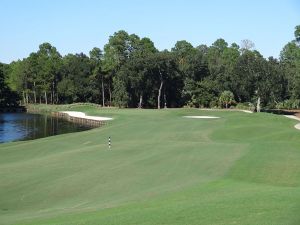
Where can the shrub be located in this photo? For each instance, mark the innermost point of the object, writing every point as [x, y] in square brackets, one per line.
[226, 98]
[289, 104]
[245, 106]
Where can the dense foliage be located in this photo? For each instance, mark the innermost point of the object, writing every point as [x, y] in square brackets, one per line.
[8, 98]
[131, 72]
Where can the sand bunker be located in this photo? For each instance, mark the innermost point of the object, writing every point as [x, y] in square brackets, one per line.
[297, 126]
[246, 111]
[226, 110]
[201, 117]
[83, 116]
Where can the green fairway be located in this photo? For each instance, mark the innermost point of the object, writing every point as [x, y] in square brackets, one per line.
[162, 169]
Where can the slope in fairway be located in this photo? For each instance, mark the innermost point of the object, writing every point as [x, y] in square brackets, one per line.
[162, 169]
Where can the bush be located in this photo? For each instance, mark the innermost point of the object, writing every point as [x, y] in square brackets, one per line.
[226, 99]
[214, 104]
[289, 104]
[245, 106]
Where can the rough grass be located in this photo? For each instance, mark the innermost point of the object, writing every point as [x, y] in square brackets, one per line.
[162, 169]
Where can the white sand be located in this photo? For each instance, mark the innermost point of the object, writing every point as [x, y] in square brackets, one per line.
[297, 126]
[201, 117]
[228, 110]
[83, 116]
[246, 111]
[292, 117]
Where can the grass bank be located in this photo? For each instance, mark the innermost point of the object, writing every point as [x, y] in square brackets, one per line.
[162, 169]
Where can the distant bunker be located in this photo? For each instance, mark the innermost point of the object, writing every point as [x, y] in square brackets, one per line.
[201, 117]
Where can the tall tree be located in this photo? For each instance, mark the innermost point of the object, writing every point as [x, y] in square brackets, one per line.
[75, 83]
[164, 68]
[32, 68]
[245, 74]
[136, 74]
[49, 61]
[17, 79]
[96, 57]
[214, 57]
[8, 98]
[290, 59]
[116, 52]
[247, 45]
[141, 68]
[297, 33]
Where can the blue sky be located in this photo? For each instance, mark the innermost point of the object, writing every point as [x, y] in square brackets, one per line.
[74, 26]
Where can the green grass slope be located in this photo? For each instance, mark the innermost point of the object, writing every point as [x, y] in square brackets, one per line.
[162, 169]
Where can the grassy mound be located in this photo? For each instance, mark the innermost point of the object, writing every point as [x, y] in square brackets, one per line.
[162, 169]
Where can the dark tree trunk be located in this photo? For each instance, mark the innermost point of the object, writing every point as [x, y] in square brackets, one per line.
[258, 105]
[34, 92]
[159, 93]
[53, 93]
[109, 90]
[141, 101]
[45, 95]
[103, 97]
[27, 98]
[24, 99]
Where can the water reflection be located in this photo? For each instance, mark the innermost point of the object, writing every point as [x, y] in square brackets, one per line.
[25, 126]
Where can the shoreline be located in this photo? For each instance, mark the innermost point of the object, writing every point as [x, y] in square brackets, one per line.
[82, 118]
[16, 109]
[82, 115]
[297, 126]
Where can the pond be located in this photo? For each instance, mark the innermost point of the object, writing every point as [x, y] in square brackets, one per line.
[26, 126]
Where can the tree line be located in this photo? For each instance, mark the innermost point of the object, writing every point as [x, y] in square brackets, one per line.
[131, 72]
